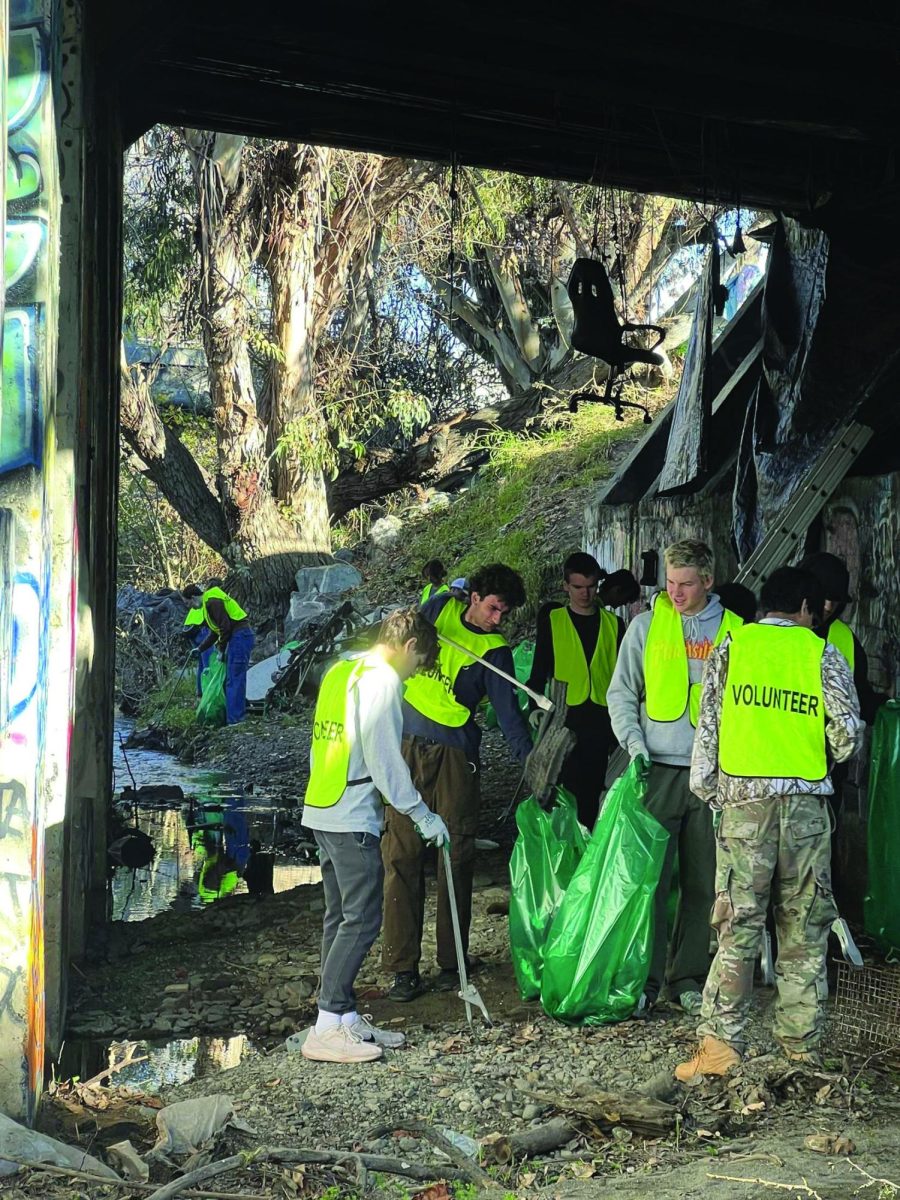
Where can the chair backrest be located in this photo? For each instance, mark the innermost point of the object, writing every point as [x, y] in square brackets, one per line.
[597, 330]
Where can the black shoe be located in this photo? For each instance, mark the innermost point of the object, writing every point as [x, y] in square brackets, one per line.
[447, 978]
[407, 986]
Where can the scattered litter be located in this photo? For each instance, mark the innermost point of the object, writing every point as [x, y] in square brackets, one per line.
[461, 1141]
[185, 1127]
[829, 1143]
[129, 1163]
[19, 1142]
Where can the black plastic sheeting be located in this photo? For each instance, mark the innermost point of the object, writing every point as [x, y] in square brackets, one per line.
[797, 406]
[686, 453]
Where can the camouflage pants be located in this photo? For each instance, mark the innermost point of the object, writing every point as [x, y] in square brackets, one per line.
[779, 846]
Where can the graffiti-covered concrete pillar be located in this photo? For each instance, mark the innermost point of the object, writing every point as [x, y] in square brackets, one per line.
[55, 488]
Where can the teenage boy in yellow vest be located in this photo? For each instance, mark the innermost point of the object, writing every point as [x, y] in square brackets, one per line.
[577, 643]
[196, 631]
[440, 743]
[834, 579]
[435, 575]
[357, 770]
[778, 705]
[653, 701]
[230, 631]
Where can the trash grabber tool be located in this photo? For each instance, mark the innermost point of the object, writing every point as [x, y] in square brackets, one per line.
[468, 993]
[540, 701]
[165, 707]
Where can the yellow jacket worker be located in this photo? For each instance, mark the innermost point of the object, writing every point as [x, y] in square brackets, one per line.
[778, 707]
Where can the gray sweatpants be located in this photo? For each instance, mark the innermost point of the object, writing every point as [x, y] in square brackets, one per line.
[353, 879]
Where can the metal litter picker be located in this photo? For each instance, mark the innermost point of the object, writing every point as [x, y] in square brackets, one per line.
[468, 992]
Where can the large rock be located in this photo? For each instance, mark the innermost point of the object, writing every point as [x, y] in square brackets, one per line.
[302, 615]
[330, 580]
[384, 535]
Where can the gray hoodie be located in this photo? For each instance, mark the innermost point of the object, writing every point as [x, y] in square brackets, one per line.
[662, 741]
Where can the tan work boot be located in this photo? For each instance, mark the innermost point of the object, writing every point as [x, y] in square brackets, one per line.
[338, 1044]
[713, 1058]
[809, 1058]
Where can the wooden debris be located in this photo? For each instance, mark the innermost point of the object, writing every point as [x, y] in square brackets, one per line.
[278, 1154]
[642, 1114]
[502, 1149]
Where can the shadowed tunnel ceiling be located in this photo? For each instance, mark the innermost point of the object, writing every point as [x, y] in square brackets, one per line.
[771, 104]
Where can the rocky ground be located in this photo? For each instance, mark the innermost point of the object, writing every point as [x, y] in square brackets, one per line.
[249, 966]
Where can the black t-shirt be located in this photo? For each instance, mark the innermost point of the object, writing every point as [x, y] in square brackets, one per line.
[588, 714]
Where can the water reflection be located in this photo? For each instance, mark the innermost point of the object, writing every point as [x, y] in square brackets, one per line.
[153, 1066]
[214, 844]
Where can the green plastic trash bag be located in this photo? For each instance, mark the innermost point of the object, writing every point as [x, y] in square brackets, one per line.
[597, 953]
[549, 847]
[211, 708]
[523, 660]
[881, 907]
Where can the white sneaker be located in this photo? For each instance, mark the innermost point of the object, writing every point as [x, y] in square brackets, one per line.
[363, 1028]
[338, 1044]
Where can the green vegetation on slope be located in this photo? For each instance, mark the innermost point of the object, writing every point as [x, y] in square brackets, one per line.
[524, 508]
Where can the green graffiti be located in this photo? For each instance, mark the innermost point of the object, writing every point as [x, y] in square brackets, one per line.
[23, 174]
[26, 77]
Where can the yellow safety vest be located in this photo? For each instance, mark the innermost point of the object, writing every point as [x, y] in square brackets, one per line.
[227, 884]
[840, 635]
[194, 617]
[667, 677]
[429, 591]
[232, 608]
[773, 712]
[431, 693]
[570, 664]
[330, 741]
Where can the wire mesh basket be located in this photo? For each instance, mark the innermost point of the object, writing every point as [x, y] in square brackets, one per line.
[866, 1012]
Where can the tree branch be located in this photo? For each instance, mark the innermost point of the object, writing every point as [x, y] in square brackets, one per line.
[372, 1162]
[505, 274]
[502, 347]
[168, 463]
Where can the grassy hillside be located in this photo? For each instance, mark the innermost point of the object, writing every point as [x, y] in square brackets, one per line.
[524, 508]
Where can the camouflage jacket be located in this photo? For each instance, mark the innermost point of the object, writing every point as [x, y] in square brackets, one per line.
[843, 733]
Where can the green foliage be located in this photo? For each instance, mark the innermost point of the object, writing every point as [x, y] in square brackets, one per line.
[182, 694]
[516, 509]
[160, 252]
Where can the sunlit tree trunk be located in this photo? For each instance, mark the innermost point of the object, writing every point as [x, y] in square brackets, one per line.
[266, 548]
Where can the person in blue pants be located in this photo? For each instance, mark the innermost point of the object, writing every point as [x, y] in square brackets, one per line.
[229, 630]
[237, 660]
[196, 631]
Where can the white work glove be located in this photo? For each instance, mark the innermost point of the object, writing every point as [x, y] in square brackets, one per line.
[432, 829]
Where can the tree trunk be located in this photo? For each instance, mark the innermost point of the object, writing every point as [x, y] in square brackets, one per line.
[170, 464]
[265, 549]
[443, 456]
[297, 433]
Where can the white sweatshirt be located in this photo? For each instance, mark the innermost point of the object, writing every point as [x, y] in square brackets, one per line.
[374, 734]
